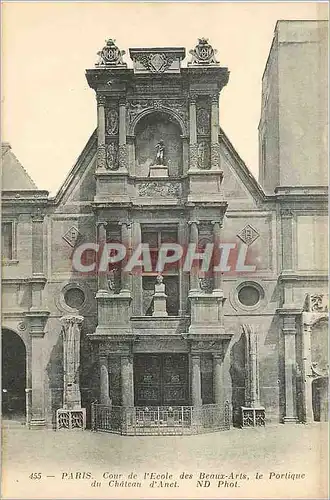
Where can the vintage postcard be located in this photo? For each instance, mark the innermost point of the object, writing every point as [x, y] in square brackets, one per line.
[164, 229]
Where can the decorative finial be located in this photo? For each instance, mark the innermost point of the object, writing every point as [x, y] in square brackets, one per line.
[110, 55]
[203, 53]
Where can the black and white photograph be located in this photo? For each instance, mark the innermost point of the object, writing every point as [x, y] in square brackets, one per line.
[164, 250]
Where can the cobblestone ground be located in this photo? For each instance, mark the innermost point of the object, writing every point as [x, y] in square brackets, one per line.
[237, 454]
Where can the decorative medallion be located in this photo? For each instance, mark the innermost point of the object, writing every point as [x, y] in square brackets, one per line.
[110, 55]
[21, 326]
[203, 53]
[72, 236]
[112, 121]
[248, 234]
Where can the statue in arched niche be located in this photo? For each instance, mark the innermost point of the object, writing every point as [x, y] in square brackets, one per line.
[160, 153]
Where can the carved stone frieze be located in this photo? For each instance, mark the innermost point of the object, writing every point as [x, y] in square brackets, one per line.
[136, 107]
[168, 189]
[206, 345]
[155, 62]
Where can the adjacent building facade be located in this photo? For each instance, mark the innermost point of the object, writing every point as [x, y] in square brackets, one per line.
[176, 348]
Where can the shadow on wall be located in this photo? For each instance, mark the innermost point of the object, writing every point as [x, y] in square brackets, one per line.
[237, 373]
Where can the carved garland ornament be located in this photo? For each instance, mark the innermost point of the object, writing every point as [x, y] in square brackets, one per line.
[112, 156]
[112, 121]
[159, 188]
[101, 156]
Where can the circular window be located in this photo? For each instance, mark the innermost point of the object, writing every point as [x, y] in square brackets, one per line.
[249, 296]
[74, 298]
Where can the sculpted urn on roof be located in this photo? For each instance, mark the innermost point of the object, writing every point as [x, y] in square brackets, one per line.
[203, 53]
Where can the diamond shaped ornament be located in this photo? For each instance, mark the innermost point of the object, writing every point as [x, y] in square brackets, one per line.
[72, 236]
[248, 234]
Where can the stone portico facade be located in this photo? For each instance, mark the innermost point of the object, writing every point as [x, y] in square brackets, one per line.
[159, 169]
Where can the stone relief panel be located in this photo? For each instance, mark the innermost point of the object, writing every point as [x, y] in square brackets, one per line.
[157, 188]
[112, 121]
[149, 131]
[203, 119]
[112, 156]
[203, 155]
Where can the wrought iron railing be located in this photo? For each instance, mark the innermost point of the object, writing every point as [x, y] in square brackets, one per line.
[160, 420]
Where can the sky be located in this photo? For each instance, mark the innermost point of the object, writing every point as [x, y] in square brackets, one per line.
[48, 109]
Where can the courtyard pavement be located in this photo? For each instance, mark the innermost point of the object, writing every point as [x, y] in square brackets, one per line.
[282, 461]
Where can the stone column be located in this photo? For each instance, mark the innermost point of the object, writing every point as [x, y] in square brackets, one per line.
[102, 239]
[127, 383]
[183, 276]
[287, 240]
[289, 332]
[216, 241]
[136, 276]
[307, 371]
[196, 385]
[215, 153]
[122, 152]
[218, 378]
[71, 361]
[104, 382]
[101, 156]
[126, 241]
[193, 238]
[37, 369]
[193, 134]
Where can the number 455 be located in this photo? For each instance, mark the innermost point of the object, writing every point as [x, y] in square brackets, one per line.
[35, 475]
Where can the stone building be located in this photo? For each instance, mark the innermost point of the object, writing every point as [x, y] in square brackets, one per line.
[176, 351]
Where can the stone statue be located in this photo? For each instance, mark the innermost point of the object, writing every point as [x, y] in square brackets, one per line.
[159, 279]
[160, 153]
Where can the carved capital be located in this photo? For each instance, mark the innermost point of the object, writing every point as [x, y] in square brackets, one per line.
[100, 99]
[289, 325]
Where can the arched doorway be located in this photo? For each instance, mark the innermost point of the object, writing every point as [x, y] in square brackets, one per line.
[13, 376]
[320, 399]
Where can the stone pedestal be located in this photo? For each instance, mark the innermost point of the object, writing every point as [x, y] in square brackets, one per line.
[206, 313]
[160, 300]
[114, 312]
[158, 171]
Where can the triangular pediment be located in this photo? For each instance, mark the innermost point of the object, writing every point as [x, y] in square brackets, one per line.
[14, 175]
[239, 186]
[79, 186]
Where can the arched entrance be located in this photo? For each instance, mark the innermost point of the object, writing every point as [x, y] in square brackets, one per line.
[320, 399]
[13, 376]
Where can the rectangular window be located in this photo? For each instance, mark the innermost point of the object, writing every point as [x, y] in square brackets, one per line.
[7, 240]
